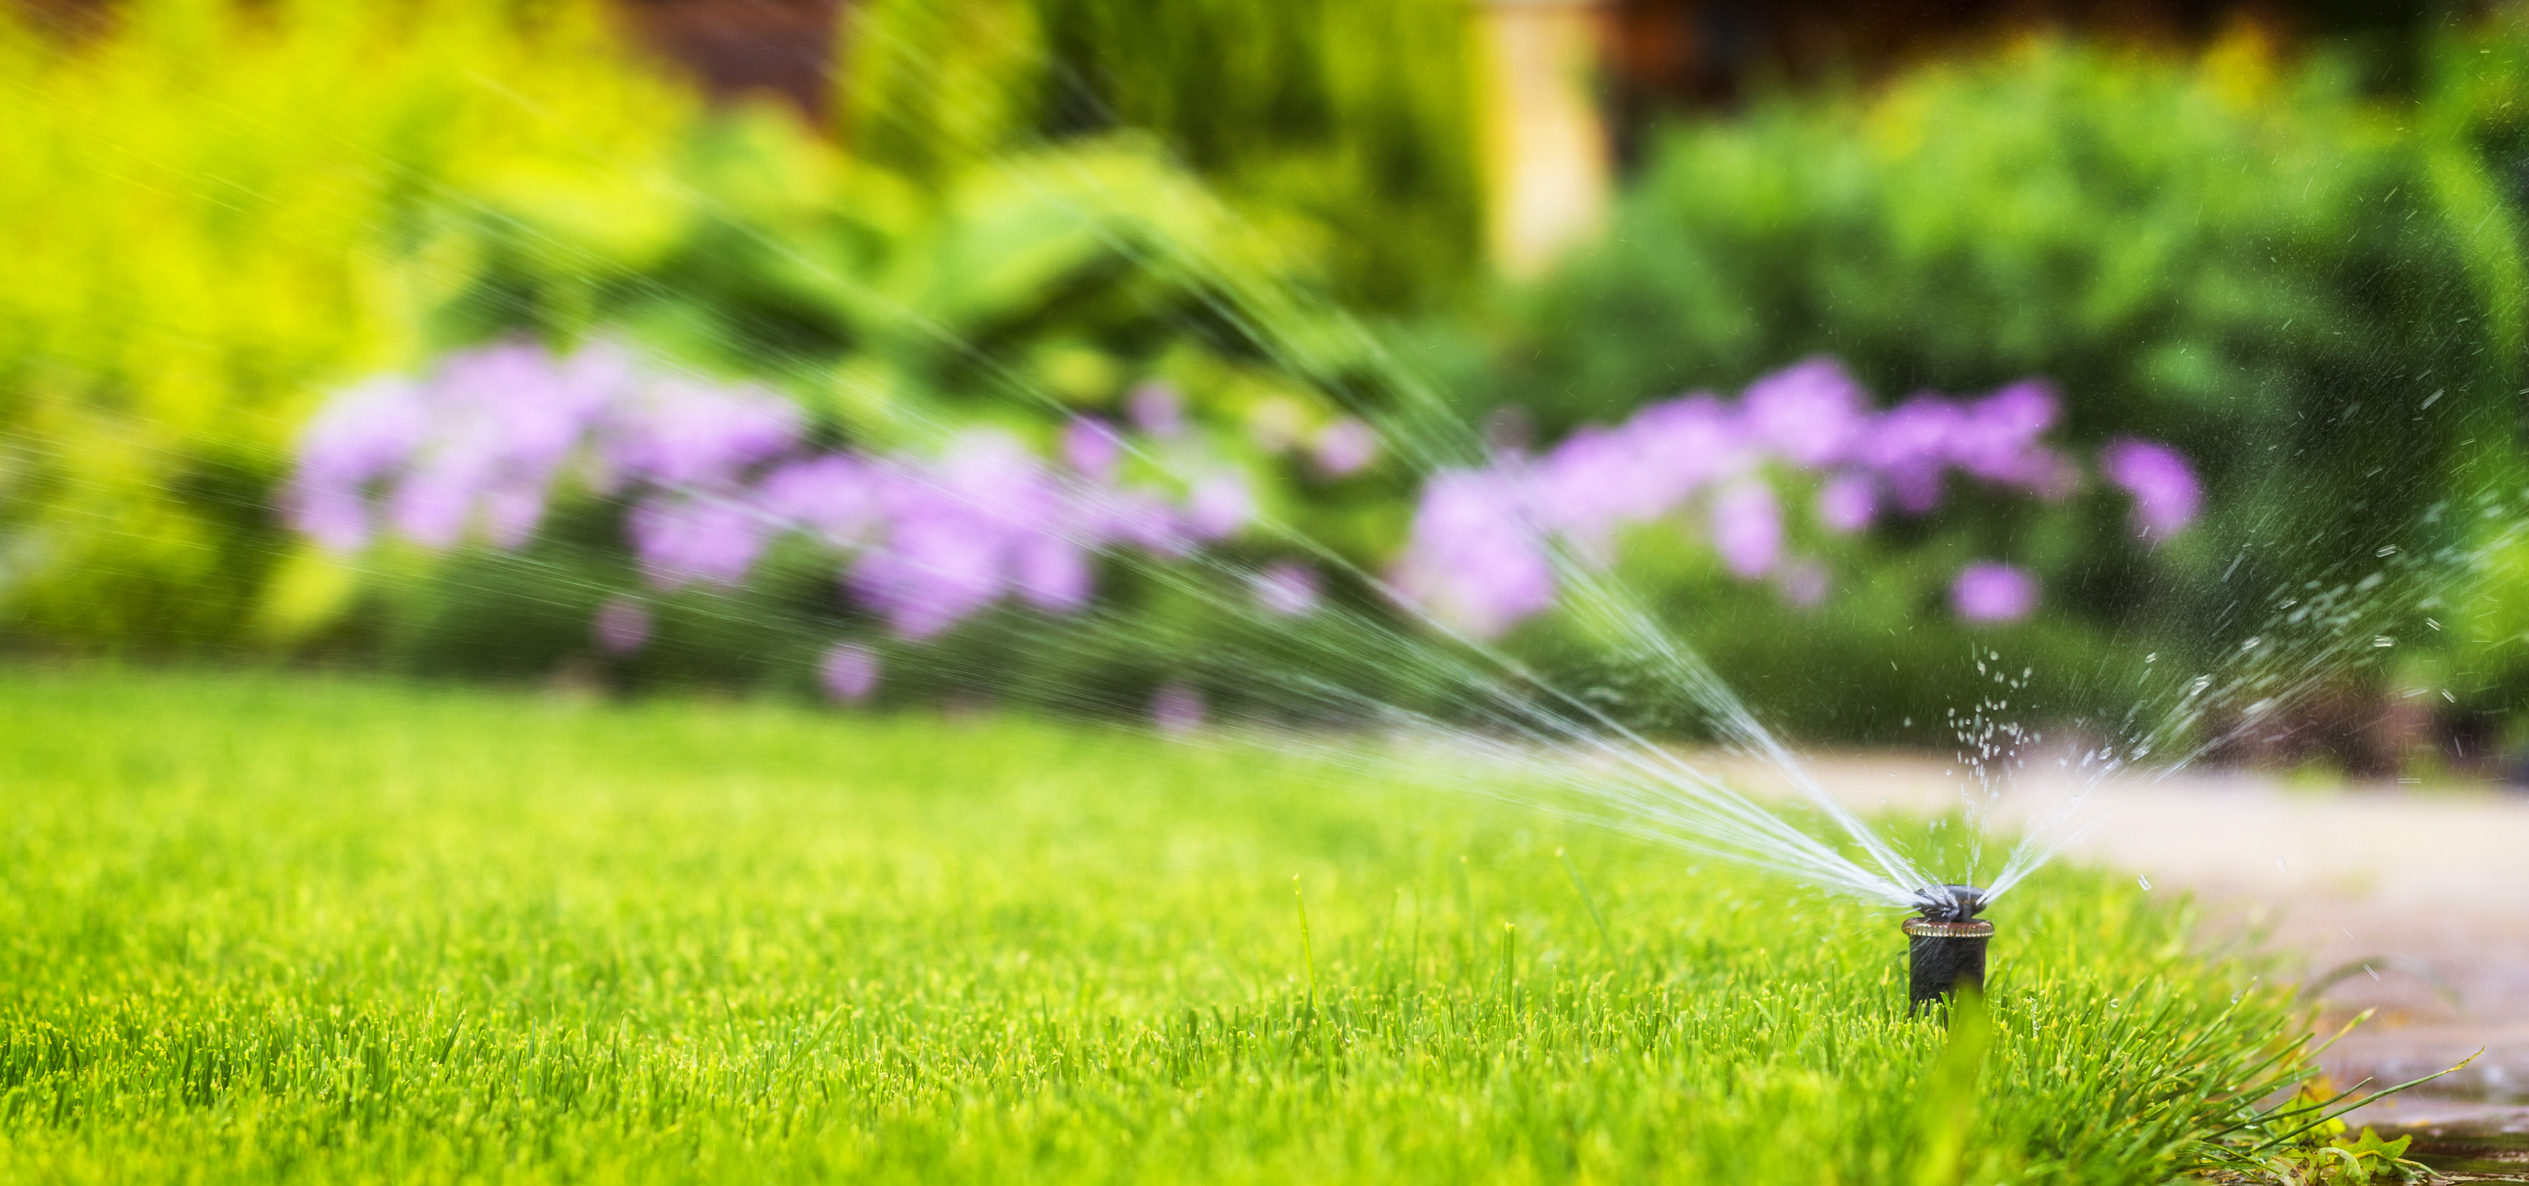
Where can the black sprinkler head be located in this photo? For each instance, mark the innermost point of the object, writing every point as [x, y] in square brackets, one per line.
[1946, 945]
[1950, 903]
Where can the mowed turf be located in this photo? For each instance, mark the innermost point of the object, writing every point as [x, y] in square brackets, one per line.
[285, 928]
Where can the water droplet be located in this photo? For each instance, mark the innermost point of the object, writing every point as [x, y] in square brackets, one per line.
[2383, 640]
[2153, 657]
[2388, 550]
[2144, 882]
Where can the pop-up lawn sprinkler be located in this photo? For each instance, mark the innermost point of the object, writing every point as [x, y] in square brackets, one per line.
[1945, 945]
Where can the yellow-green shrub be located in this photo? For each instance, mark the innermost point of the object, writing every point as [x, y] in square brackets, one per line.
[217, 211]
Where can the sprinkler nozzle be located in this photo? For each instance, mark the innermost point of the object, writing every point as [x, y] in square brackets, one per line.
[1950, 903]
[1946, 944]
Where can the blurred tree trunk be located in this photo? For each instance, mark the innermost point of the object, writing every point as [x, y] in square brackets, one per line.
[1546, 144]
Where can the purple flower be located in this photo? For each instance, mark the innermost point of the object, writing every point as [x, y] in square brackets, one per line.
[683, 434]
[366, 432]
[1218, 505]
[1137, 517]
[849, 672]
[684, 540]
[1092, 448]
[1156, 409]
[362, 436]
[716, 473]
[1600, 479]
[507, 417]
[833, 496]
[1848, 502]
[622, 626]
[1052, 574]
[934, 571]
[432, 506]
[952, 533]
[1587, 486]
[1809, 414]
[993, 479]
[522, 408]
[1990, 592]
[1996, 438]
[1287, 589]
[511, 510]
[1747, 528]
[1679, 446]
[1911, 446]
[1346, 447]
[1472, 559]
[2166, 494]
[479, 444]
[1177, 708]
[336, 519]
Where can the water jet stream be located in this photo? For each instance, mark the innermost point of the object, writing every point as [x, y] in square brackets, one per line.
[1466, 714]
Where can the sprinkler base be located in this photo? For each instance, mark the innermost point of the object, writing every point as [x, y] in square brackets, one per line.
[1940, 953]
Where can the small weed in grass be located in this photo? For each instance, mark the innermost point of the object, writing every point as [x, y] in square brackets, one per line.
[265, 929]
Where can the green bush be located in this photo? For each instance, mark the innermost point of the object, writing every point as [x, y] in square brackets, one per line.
[2316, 295]
[1015, 292]
[219, 215]
[1347, 123]
[219, 211]
[2478, 114]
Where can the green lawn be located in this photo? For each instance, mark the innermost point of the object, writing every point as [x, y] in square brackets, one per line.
[259, 928]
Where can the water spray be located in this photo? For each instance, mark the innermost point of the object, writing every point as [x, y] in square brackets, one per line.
[1945, 944]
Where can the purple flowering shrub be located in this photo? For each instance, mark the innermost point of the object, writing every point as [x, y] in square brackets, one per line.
[716, 488]
[713, 476]
[1488, 546]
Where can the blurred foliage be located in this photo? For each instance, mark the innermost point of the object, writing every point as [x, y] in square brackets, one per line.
[1883, 659]
[216, 212]
[1348, 123]
[2477, 112]
[219, 212]
[1020, 292]
[2318, 297]
[1025, 289]
[952, 271]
